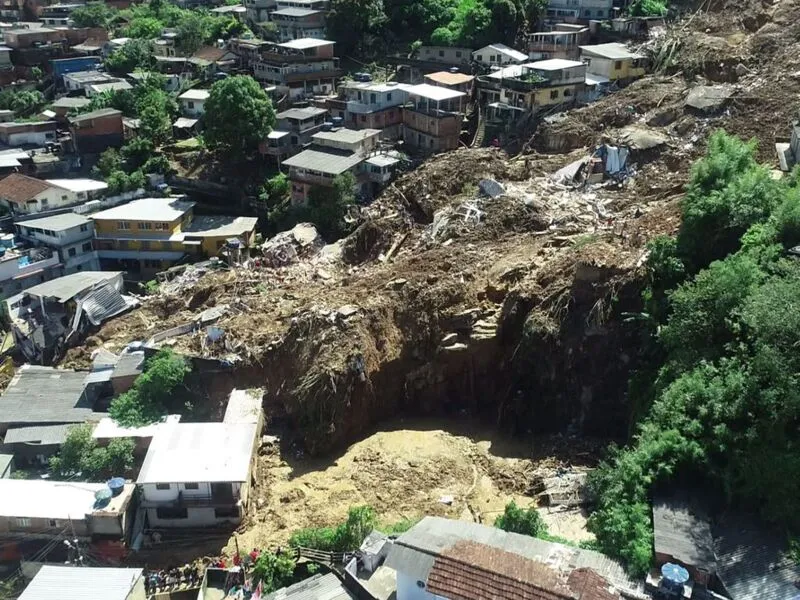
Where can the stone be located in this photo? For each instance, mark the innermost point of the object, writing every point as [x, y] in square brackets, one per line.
[708, 98]
[491, 188]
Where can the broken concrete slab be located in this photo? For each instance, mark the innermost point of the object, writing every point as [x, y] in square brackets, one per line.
[491, 188]
[641, 138]
[708, 98]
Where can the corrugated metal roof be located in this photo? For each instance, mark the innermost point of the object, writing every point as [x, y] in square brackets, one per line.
[332, 163]
[46, 435]
[611, 51]
[57, 222]
[244, 406]
[45, 395]
[318, 587]
[67, 287]
[752, 562]
[415, 551]
[203, 452]
[682, 532]
[102, 303]
[81, 583]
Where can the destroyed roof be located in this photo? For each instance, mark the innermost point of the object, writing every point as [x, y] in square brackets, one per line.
[753, 562]
[71, 102]
[306, 43]
[65, 288]
[81, 583]
[199, 452]
[347, 136]
[301, 113]
[244, 406]
[448, 78]
[131, 363]
[220, 226]
[682, 532]
[611, 51]
[211, 53]
[333, 163]
[318, 587]
[415, 552]
[434, 92]
[506, 51]
[45, 395]
[96, 114]
[18, 188]
[45, 435]
[147, 209]
[104, 302]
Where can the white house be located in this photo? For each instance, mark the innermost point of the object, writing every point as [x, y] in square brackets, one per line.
[85, 583]
[497, 55]
[69, 234]
[27, 195]
[193, 102]
[198, 474]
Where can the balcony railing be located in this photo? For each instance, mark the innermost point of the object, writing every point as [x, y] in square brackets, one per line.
[184, 501]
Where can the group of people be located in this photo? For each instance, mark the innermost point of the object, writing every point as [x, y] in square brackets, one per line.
[167, 579]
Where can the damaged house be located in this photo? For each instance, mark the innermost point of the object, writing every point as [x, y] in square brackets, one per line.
[49, 317]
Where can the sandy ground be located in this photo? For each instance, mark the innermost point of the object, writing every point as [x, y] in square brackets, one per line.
[405, 471]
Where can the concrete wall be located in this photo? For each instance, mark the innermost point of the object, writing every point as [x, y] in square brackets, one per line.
[408, 589]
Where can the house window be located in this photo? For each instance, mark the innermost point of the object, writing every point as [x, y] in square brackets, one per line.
[189, 485]
[492, 58]
[441, 53]
[363, 118]
[44, 201]
[599, 13]
[123, 225]
[162, 226]
[553, 94]
[458, 53]
[145, 225]
[72, 252]
[87, 247]
[389, 97]
[587, 13]
[567, 92]
[84, 227]
[23, 522]
[64, 197]
[53, 523]
[163, 486]
[172, 513]
[373, 98]
[226, 513]
[191, 105]
[617, 65]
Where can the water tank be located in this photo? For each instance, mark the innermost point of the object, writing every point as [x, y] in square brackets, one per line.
[102, 497]
[7, 240]
[674, 577]
[116, 485]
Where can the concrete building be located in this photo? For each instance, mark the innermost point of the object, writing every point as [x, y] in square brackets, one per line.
[318, 168]
[198, 474]
[613, 62]
[579, 11]
[535, 85]
[371, 106]
[95, 131]
[24, 195]
[79, 81]
[68, 234]
[21, 269]
[300, 68]
[85, 583]
[432, 118]
[459, 82]
[257, 11]
[293, 130]
[445, 55]
[297, 23]
[562, 42]
[193, 102]
[498, 55]
[35, 133]
[682, 535]
[65, 66]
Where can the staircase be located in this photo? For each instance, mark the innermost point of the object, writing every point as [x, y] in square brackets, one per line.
[480, 132]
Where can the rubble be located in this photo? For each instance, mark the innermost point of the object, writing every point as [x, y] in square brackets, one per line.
[708, 99]
[287, 247]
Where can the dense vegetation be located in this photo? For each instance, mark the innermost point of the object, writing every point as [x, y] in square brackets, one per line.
[80, 454]
[345, 537]
[719, 392]
[154, 392]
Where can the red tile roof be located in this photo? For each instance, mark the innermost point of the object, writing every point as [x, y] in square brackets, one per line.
[210, 53]
[590, 585]
[19, 189]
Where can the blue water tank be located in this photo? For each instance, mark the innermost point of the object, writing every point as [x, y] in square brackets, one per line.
[116, 485]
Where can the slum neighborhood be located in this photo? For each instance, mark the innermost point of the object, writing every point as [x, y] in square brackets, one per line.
[157, 506]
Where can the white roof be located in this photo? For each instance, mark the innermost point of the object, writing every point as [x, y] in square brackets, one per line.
[184, 123]
[503, 49]
[387, 86]
[593, 79]
[434, 92]
[195, 95]
[120, 41]
[44, 499]
[347, 136]
[276, 134]
[199, 452]
[554, 64]
[111, 85]
[107, 428]
[147, 209]
[506, 72]
[244, 406]
[81, 583]
[305, 43]
[382, 160]
[79, 185]
[612, 51]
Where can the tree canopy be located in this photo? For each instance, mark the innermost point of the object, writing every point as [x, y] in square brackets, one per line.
[93, 14]
[136, 54]
[724, 408]
[80, 453]
[238, 116]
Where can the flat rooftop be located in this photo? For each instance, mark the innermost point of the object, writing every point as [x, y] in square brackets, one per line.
[244, 406]
[434, 92]
[199, 452]
[81, 583]
[611, 51]
[220, 226]
[107, 428]
[61, 500]
[301, 113]
[332, 163]
[554, 64]
[348, 136]
[306, 43]
[146, 209]
[60, 222]
[199, 95]
[79, 185]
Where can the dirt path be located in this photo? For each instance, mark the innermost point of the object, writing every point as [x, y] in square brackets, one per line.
[405, 471]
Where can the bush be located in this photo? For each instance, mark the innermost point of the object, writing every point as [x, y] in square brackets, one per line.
[518, 520]
[273, 571]
[347, 537]
[80, 454]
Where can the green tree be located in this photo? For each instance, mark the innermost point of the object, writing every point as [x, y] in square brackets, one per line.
[519, 520]
[137, 54]
[355, 24]
[109, 161]
[238, 115]
[80, 453]
[648, 8]
[193, 31]
[153, 391]
[144, 28]
[328, 206]
[346, 537]
[275, 190]
[273, 571]
[92, 14]
[137, 152]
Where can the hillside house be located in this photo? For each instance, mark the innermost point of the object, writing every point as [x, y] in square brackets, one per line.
[84, 583]
[198, 474]
[441, 559]
[95, 131]
[445, 55]
[562, 42]
[35, 133]
[432, 118]
[293, 130]
[22, 268]
[68, 234]
[498, 55]
[367, 105]
[614, 62]
[210, 60]
[579, 11]
[67, 104]
[459, 82]
[193, 102]
[24, 195]
[300, 68]
[79, 81]
[682, 535]
[297, 23]
[34, 512]
[535, 85]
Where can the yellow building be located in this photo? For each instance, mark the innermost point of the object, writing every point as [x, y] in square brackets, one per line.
[539, 84]
[148, 235]
[613, 62]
